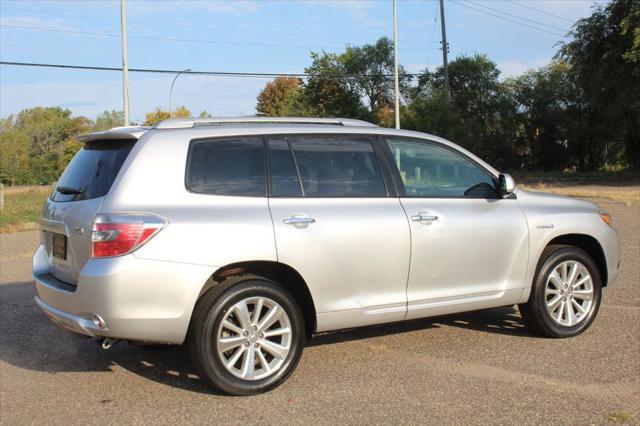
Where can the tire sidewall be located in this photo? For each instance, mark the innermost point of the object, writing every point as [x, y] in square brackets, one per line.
[212, 365]
[557, 257]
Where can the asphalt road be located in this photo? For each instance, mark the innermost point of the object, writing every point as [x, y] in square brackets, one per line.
[481, 367]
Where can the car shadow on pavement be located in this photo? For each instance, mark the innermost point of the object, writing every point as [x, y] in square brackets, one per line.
[30, 341]
[504, 320]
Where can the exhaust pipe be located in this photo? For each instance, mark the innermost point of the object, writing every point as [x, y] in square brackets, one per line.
[107, 343]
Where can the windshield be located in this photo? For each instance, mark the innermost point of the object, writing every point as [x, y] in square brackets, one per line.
[92, 171]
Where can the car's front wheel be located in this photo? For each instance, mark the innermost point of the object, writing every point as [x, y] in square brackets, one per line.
[566, 293]
[246, 335]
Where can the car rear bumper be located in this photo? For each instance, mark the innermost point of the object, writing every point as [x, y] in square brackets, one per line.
[137, 299]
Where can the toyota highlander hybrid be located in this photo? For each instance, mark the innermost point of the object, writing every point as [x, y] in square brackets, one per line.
[243, 237]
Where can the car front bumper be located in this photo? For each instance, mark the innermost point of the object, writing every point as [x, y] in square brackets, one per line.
[137, 299]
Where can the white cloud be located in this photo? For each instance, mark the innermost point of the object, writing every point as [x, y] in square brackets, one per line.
[359, 10]
[418, 68]
[515, 68]
[34, 21]
[239, 7]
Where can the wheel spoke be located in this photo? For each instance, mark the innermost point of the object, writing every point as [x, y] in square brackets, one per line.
[263, 360]
[560, 312]
[248, 363]
[583, 294]
[573, 273]
[256, 311]
[277, 332]
[231, 326]
[242, 311]
[275, 349]
[551, 291]
[553, 303]
[236, 356]
[570, 313]
[555, 279]
[269, 318]
[581, 281]
[579, 306]
[226, 343]
[563, 271]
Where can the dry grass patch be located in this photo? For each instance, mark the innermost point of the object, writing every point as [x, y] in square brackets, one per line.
[627, 194]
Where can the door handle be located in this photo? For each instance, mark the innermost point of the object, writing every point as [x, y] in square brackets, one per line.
[424, 217]
[300, 221]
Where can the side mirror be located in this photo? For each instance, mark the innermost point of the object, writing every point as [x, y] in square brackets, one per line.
[506, 184]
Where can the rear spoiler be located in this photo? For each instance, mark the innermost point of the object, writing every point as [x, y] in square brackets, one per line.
[117, 133]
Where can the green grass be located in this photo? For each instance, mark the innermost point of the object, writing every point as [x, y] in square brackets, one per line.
[22, 208]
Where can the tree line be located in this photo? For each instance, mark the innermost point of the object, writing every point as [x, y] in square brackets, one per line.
[579, 113]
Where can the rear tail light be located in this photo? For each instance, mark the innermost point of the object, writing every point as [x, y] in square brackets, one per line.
[117, 235]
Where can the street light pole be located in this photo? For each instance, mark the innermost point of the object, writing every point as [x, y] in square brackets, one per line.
[395, 65]
[171, 91]
[125, 69]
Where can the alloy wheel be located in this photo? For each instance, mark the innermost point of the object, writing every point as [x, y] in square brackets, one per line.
[569, 293]
[254, 338]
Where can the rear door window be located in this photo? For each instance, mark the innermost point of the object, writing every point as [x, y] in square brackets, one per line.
[284, 177]
[337, 166]
[234, 166]
[92, 171]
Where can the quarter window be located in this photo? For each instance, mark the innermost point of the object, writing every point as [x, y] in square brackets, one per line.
[227, 167]
[428, 170]
[337, 166]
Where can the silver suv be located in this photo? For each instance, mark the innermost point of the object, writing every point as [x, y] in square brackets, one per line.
[243, 237]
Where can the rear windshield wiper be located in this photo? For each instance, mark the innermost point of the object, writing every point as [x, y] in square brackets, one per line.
[67, 190]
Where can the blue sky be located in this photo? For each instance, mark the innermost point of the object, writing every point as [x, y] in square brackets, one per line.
[246, 36]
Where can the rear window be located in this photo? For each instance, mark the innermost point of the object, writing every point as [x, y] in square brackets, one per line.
[227, 167]
[92, 171]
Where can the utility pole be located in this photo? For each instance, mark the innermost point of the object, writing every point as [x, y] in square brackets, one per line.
[395, 64]
[125, 69]
[445, 48]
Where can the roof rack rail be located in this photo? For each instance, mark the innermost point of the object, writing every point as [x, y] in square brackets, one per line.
[183, 123]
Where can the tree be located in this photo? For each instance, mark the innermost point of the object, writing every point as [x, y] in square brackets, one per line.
[159, 115]
[604, 57]
[282, 97]
[108, 120]
[371, 67]
[14, 157]
[328, 93]
[37, 144]
[480, 116]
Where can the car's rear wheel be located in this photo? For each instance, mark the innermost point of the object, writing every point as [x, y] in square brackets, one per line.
[246, 335]
[566, 293]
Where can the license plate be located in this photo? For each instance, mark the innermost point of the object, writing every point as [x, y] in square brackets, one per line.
[59, 243]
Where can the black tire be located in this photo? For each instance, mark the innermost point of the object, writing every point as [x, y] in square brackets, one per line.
[535, 312]
[211, 310]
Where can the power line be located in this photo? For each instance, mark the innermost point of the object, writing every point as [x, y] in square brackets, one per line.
[541, 11]
[517, 16]
[433, 31]
[211, 73]
[506, 19]
[185, 40]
